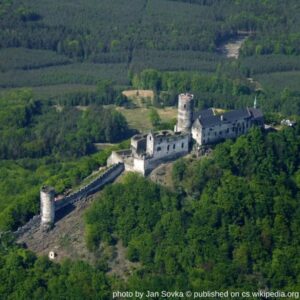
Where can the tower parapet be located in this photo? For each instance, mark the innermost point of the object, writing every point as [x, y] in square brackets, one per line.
[185, 113]
[47, 194]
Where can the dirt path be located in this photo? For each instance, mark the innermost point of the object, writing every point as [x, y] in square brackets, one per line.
[232, 47]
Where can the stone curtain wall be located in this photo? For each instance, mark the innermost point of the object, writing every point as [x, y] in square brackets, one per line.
[108, 176]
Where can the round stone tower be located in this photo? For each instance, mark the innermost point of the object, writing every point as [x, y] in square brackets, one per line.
[185, 112]
[47, 194]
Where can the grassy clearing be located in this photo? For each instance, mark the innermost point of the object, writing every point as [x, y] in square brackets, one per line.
[138, 118]
[139, 93]
[167, 113]
[138, 97]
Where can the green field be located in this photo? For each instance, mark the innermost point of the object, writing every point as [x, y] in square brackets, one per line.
[138, 118]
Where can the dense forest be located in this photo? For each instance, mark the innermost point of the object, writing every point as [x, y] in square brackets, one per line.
[41, 143]
[32, 130]
[42, 44]
[232, 220]
[199, 26]
[217, 90]
[232, 224]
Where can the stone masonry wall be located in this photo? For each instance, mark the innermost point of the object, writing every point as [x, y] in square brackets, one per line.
[92, 187]
[108, 176]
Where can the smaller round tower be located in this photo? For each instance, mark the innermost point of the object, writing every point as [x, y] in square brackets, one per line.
[47, 194]
[185, 112]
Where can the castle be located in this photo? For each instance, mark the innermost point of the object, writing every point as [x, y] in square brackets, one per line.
[206, 127]
[150, 150]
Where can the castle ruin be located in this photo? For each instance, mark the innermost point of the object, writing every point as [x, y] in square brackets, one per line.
[147, 151]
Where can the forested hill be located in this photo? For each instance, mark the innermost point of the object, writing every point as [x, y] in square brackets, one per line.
[232, 225]
[80, 42]
[66, 48]
[85, 29]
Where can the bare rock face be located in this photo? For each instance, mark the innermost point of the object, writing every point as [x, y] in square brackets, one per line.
[65, 239]
[163, 175]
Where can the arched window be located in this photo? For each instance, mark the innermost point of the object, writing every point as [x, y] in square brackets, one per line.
[158, 149]
[182, 145]
[168, 148]
[174, 146]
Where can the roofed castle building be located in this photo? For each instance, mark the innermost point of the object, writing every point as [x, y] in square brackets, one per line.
[206, 127]
[210, 128]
